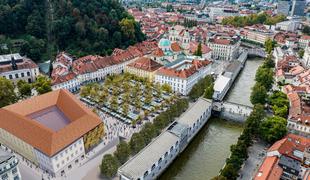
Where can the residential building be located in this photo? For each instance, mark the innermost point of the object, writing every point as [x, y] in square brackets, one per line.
[143, 67]
[54, 130]
[224, 47]
[182, 75]
[14, 67]
[70, 73]
[8, 166]
[283, 7]
[217, 13]
[257, 33]
[303, 41]
[289, 26]
[298, 7]
[286, 159]
[306, 58]
[152, 160]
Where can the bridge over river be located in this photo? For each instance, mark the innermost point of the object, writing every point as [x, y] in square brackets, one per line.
[206, 154]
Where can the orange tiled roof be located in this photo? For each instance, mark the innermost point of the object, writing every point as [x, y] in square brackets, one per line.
[269, 170]
[15, 119]
[184, 73]
[291, 142]
[175, 47]
[145, 64]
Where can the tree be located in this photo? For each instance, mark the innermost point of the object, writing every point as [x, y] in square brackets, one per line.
[136, 143]
[114, 103]
[7, 94]
[158, 90]
[122, 152]
[84, 92]
[259, 94]
[273, 128]
[109, 165]
[269, 44]
[264, 76]
[103, 96]
[306, 30]
[198, 51]
[125, 108]
[301, 53]
[229, 171]
[43, 85]
[166, 87]
[209, 92]
[219, 177]
[24, 88]
[268, 63]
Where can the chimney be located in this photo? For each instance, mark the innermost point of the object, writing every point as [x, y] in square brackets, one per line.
[14, 65]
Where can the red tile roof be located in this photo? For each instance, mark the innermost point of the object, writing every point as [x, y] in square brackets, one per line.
[269, 170]
[175, 47]
[145, 64]
[291, 142]
[15, 120]
[184, 73]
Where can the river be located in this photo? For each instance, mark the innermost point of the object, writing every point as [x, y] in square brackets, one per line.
[206, 154]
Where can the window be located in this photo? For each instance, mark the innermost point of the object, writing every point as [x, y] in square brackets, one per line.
[160, 160]
[146, 173]
[23, 74]
[166, 154]
[171, 149]
[16, 75]
[28, 73]
[10, 76]
[153, 167]
[14, 171]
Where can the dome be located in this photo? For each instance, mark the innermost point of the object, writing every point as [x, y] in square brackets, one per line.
[164, 43]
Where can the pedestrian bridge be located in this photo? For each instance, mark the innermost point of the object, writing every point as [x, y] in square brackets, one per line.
[232, 111]
[255, 51]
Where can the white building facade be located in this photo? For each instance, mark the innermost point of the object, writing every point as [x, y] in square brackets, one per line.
[14, 67]
[9, 166]
[178, 81]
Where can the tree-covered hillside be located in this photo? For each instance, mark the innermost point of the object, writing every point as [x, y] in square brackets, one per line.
[40, 28]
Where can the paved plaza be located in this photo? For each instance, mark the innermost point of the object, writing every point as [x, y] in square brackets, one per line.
[257, 153]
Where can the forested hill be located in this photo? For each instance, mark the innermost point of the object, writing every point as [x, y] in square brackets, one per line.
[40, 28]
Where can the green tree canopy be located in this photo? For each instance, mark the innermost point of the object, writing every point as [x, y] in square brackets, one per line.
[136, 143]
[7, 94]
[264, 76]
[273, 128]
[259, 94]
[43, 84]
[109, 165]
[24, 88]
[122, 152]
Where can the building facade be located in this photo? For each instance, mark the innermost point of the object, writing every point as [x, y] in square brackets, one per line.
[151, 161]
[8, 166]
[143, 67]
[283, 7]
[298, 8]
[57, 131]
[14, 67]
[224, 48]
[257, 34]
[183, 75]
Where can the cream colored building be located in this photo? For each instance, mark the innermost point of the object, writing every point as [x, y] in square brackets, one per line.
[143, 67]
